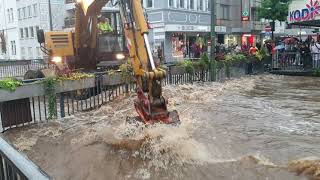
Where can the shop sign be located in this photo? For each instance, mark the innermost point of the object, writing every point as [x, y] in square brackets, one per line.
[309, 13]
[187, 28]
[221, 29]
[245, 16]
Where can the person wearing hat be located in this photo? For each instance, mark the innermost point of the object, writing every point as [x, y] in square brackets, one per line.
[104, 25]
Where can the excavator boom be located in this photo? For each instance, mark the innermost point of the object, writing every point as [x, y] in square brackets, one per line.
[150, 104]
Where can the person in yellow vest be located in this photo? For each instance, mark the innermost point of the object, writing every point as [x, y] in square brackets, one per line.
[104, 25]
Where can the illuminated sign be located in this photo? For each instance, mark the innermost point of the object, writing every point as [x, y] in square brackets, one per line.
[309, 13]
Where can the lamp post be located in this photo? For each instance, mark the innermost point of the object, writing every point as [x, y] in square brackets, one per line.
[50, 15]
[213, 27]
[213, 64]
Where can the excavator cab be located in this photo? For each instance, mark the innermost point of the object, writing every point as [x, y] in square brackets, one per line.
[111, 48]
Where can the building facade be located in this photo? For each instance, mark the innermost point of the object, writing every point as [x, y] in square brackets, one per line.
[8, 29]
[178, 24]
[23, 19]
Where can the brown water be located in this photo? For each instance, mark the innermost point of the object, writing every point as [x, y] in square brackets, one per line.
[245, 129]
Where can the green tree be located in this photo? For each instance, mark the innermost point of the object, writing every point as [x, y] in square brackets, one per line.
[274, 10]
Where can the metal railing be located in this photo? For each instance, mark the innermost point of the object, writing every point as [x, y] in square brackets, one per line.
[295, 61]
[35, 109]
[15, 166]
[17, 68]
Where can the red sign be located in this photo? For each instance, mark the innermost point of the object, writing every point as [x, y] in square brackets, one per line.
[245, 18]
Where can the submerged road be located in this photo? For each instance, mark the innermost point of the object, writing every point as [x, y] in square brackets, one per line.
[248, 128]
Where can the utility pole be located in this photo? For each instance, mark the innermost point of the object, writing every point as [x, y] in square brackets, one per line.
[213, 29]
[50, 15]
[213, 63]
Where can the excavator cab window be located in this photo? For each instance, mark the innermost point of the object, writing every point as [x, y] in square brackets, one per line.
[110, 43]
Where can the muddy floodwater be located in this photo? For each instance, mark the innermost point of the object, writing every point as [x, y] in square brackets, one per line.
[245, 129]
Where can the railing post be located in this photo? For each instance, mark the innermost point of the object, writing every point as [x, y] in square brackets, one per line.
[170, 75]
[62, 111]
[213, 70]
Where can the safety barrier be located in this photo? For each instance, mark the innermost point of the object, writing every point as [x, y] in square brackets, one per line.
[17, 68]
[14, 166]
[295, 61]
[31, 104]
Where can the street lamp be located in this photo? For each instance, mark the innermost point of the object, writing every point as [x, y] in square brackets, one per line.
[213, 27]
[213, 42]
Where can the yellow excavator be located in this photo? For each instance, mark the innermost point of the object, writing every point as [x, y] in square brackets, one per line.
[81, 46]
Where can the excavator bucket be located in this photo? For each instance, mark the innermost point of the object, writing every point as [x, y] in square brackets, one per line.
[150, 113]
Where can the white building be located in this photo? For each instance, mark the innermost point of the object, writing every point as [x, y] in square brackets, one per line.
[22, 20]
[8, 26]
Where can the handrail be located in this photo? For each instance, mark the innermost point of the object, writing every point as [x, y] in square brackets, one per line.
[24, 167]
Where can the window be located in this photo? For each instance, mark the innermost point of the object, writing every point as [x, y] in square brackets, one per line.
[149, 3]
[21, 33]
[38, 52]
[181, 3]
[37, 29]
[13, 48]
[9, 17]
[35, 10]
[31, 32]
[225, 11]
[24, 15]
[26, 32]
[201, 5]
[30, 53]
[19, 13]
[23, 53]
[171, 3]
[29, 11]
[11, 13]
[191, 4]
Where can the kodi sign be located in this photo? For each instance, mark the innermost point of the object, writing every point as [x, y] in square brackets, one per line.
[301, 11]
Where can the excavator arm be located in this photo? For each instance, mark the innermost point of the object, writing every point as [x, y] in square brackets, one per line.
[150, 104]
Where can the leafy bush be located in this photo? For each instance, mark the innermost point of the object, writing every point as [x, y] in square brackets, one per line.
[10, 84]
[316, 72]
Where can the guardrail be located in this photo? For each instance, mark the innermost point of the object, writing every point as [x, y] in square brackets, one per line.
[14, 166]
[31, 104]
[17, 68]
[295, 61]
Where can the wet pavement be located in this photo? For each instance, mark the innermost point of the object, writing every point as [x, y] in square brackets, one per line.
[248, 128]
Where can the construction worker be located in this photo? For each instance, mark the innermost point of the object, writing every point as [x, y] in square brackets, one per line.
[104, 25]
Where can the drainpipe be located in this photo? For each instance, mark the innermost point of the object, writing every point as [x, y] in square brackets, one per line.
[50, 15]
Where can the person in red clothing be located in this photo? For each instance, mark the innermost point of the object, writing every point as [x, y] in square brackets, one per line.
[253, 50]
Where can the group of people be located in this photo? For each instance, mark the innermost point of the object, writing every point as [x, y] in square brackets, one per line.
[298, 52]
